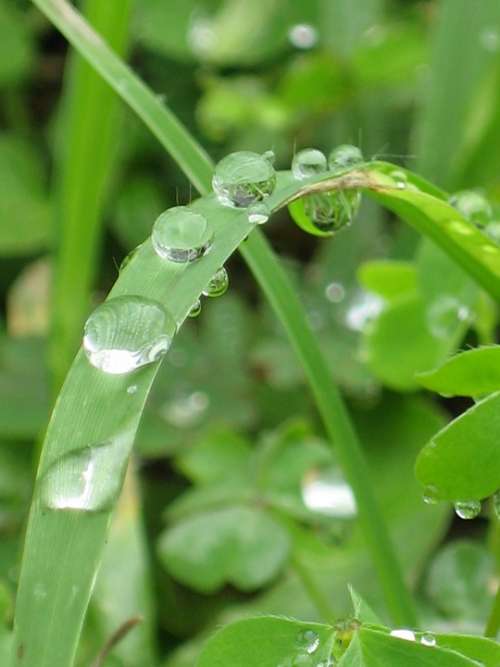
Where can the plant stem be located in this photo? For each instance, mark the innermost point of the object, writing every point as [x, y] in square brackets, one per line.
[493, 624]
[193, 160]
[316, 595]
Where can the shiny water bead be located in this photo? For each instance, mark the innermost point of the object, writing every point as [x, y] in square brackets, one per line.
[303, 35]
[258, 213]
[127, 332]
[407, 635]
[244, 178]
[345, 156]
[473, 206]
[400, 179]
[218, 284]
[87, 480]
[430, 496]
[496, 504]
[332, 211]
[468, 509]
[195, 309]
[327, 492]
[181, 235]
[428, 639]
[308, 641]
[308, 162]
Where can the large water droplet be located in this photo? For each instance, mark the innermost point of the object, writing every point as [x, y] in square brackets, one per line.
[218, 285]
[345, 156]
[127, 332]
[332, 211]
[328, 493]
[244, 178]
[308, 162]
[473, 206]
[303, 35]
[181, 235]
[428, 639]
[468, 509]
[496, 504]
[308, 640]
[407, 635]
[87, 480]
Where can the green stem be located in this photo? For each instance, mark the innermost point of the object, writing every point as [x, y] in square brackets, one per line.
[493, 624]
[316, 595]
[198, 168]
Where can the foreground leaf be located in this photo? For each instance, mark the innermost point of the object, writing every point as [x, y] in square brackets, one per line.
[471, 373]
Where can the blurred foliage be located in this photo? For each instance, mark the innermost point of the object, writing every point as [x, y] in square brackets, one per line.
[229, 434]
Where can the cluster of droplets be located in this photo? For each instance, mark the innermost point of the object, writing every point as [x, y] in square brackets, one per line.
[475, 208]
[328, 211]
[424, 638]
[464, 509]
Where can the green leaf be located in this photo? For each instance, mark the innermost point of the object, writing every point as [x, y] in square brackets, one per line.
[461, 462]
[16, 44]
[268, 642]
[371, 648]
[362, 610]
[470, 373]
[388, 278]
[485, 651]
[239, 545]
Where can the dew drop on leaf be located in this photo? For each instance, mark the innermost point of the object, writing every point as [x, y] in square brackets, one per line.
[473, 206]
[258, 213]
[195, 309]
[218, 284]
[468, 509]
[308, 162]
[344, 156]
[181, 235]
[407, 635]
[428, 639]
[87, 480]
[400, 179]
[308, 641]
[126, 333]
[243, 179]
[430, 496]
[331, 211]
[132, 389]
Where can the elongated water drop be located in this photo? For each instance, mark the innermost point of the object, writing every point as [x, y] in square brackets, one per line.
[195, 309]
[345, 156]
[218, 284]
[127, 332]
[244, 178]
[308, 162]
[86, 480]
[473, 206]
[181, 235]
[407, 635]
[468, 509]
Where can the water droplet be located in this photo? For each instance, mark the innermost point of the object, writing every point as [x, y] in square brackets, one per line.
[186, 411]
[400, 178]
[496, 504]
[195, 309]
[445, 314]
[308, 162]
[473, 206]
[431, 495]
[218, 285]
[345, 156]
[490, 39]
[332, 211]
[363, 309]
[132, 389]
[201, 36]
[303, 35]
[468, 509]
[335, 292]
[181, 235]
[308, 640]
[258, 213]
[428, 639]
[328, 493]
[86, 480]
[127, 332]
[244, 178]
[407, 635]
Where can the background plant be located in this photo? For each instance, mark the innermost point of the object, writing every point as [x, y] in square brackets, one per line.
[431, 311]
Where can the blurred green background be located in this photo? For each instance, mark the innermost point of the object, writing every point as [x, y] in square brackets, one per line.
[230, 436]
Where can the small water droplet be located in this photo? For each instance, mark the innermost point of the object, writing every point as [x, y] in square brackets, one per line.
[400, 179]
[332, 211]
[407, 635]
[195, 309]
[428, 639]
[308, 640]
[258, 213]
[431, 495]
[244, 178]
[444, 314]
[218, 284]
[132, 389]
[181, 235]
[473, 206]
[328, 493]
[345, 156]
[127, 332]
[496, 504]
[468, 509]
[335, 292]
[86, 480]
[308, 162]
[363, 309]
[303, 35]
